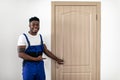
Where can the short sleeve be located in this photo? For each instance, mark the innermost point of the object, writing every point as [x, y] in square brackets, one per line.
[42, 39]
[21, 41]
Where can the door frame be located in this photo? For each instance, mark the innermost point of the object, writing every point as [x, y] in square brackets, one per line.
[53, 32]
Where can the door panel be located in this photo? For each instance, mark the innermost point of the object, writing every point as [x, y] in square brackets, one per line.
[76, 42]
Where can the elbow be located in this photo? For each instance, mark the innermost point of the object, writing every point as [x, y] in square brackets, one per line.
[20, 55]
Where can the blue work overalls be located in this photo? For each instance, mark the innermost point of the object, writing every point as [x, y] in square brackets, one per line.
[34, 70]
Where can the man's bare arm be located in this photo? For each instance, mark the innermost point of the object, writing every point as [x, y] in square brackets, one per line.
[21, 51]
[51, 55]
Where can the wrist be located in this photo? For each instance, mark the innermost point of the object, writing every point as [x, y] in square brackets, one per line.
[57, 59]
[34, 59]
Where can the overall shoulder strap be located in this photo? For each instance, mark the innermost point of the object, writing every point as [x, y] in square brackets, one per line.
[41, 39]
[27, 39]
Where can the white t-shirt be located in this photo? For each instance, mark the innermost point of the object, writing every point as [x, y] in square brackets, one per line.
[34, 40]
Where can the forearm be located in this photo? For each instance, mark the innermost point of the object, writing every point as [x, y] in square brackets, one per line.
[23, 55]
[26, 57]
[51, 55]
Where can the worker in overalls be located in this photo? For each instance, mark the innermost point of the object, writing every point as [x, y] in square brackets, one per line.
[30, 49]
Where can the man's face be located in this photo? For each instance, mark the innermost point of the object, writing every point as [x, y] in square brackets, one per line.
[34, 26]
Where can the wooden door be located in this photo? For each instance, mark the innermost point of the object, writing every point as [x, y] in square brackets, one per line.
[76, 39]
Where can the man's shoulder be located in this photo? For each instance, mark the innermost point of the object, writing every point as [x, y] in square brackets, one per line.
[21, 36]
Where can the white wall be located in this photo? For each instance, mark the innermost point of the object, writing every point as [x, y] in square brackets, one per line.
[110, 40]
[14, 15]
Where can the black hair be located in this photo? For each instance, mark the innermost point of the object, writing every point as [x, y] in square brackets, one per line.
[33, 19]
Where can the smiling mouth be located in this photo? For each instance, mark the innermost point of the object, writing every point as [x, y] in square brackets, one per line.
[35, 29]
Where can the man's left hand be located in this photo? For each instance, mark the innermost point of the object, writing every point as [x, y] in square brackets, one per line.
[60, 61]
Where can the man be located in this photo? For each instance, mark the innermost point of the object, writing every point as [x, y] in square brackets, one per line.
[30, 49]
